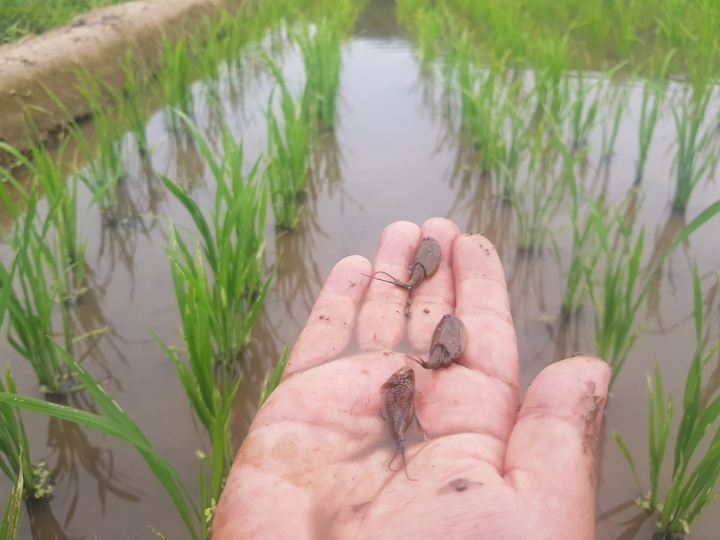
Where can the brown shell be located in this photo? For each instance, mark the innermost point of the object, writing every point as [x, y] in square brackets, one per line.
[424, 264]
[400, 402]
[448, 342]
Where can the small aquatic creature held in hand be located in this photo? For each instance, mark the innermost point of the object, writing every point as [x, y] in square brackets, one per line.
[448, 343]
[399, 403]
[425, 263]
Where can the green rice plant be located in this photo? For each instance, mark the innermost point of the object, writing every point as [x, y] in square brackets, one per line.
[287, 160]
[582, 112]
[626, 15]
[458, 76]
[539, 196]
[551, 87]
[671, 23]
[485, 128]
[11, 518]
[512, 148]
[618, 298]
[291, 143]
[649, 109]
[13, 439]
[136, 104]
[175, 79]
[584, 253]
[211, 404]
[322, 56]
[207, 46]
[119, 424]
[60, 195]
[429, 29]
[691, 160]
[271, 382]
[30, 327]
[653, 97]
[105, 166]
[232, 243]
[616, 106]
[15, 449]
[691, 488]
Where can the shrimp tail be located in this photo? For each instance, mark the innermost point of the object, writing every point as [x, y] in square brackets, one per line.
[401, 449]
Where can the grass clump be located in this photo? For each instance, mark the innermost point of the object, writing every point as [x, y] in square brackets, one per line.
[691, 488]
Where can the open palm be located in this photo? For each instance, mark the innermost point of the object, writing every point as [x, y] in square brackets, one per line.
[315, 462]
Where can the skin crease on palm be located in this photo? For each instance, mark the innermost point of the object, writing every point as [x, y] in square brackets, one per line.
[315, 462]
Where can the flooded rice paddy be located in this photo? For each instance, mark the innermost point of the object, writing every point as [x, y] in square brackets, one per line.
[396, 154]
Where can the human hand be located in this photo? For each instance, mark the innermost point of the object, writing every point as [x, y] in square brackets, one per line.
[315, 461]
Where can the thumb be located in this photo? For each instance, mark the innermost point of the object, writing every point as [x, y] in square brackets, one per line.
[551, 451]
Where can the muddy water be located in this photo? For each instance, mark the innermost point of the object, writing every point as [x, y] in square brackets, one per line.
[391, 158]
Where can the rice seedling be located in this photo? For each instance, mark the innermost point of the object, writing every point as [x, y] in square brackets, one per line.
[287, 161]
[232, 243]
[322, 56]
[30, 328]
[429, 26]
[486, 126]
[691, 161]
[617, 301]
[208, 46]
[176, 77]
[626, 15]
[584, 253]
[539, 195]
[15, 449]
[119, 424]
[616, 106]
[211, 404]
[653, 97]
[61, 197]
[551, 88]
[691, 488]
[512, 148]
[582, 112]
[136, 106]
[649, 109]
[11, 518]
[105, 166]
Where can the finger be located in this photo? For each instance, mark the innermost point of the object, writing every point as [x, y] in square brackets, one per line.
[483, 305]
[436, 296]
[381, 322]
[329, 327]
[550, 454]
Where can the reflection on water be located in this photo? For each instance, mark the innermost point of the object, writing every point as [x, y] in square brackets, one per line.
[43, 523]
